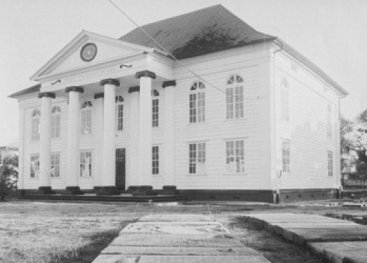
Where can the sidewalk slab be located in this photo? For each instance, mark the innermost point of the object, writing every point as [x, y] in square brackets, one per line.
[190, 239]
[192, 228]
[207, 240]
[194, 251]
[338, 240]
[342, 252]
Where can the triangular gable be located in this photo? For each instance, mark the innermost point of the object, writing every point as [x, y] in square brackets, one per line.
[69, 58]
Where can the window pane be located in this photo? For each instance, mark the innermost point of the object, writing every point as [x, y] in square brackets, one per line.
[155, 160]
[192, 108]
[35, 165]
[155, 113]
[120, 117]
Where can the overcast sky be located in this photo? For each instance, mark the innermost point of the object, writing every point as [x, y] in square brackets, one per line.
[332, 33]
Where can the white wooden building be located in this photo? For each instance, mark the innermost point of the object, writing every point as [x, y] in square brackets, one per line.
[243, 116]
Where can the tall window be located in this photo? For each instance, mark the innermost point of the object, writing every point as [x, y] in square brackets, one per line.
[35, 165]
[86, 164]
[286, 156]
[155, 108]
[55, 122]
[86, 118]
[235, 156]
[234, 97]
[55, 165]
[36, 114]
[197, 102]
[285, 100]
[197, 158]
[330, 163]
[155, 160]
[119, 100]
[329, 129]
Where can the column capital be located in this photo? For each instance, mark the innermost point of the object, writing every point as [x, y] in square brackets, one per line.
[74, 88]
[115, 82]
[170, 83]
[145, 73]
[47, 95]
[134, 89]
[99, 95]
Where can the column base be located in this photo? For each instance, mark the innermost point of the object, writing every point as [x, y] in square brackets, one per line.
[144, 190]
[72, 190]
[106, 190]
[45, 190]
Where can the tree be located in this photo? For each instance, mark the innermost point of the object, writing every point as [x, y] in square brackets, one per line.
[8, 175]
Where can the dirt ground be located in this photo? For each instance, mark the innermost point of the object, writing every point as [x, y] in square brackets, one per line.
[76, 232]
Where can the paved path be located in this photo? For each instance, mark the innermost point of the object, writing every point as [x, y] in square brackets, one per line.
[338, 240]
[177, 239]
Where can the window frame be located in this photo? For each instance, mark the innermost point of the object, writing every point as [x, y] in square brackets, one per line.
[284, 99]
[155, 108]
[57, 170]
[197, 156]
[35, 125]
[197, 103]
[32, 168]
[119, 108]
[86, 118]
[330, 163]
[90, 164]
[235, 97]
[235, 153]
[56, 122]
[286, 156]
[155, 160]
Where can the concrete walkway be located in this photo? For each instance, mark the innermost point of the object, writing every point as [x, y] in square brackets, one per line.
[177, 239]
[338, 240]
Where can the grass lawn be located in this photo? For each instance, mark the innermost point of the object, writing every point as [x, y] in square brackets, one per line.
[77, 232]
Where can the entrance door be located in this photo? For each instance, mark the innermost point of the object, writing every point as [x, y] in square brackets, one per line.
[120, 168]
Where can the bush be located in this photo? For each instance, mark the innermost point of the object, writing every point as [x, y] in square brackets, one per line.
[8, 176]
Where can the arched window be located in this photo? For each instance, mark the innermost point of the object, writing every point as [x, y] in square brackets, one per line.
[55, 122]
[119, 100]
[197, 102]
[36, 114]
[284, 87]
[155, 108]
[86, 118]
[234, 97]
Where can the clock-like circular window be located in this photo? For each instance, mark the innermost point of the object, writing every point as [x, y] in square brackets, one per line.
[88, 52]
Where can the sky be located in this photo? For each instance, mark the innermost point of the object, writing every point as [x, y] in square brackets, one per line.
[332, 33]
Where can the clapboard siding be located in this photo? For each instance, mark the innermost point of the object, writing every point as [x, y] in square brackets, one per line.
[253, 67]
[309, 97]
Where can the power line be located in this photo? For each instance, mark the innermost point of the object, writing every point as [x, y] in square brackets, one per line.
[163, 48]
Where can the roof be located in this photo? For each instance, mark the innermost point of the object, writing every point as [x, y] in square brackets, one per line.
[201, 32]
[35, 88]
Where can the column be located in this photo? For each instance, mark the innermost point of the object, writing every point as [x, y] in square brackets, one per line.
[98, 138]
[169, 132]
[45, 136]
[144, 164]
[132, 155]
[108, 186]
[73, 134]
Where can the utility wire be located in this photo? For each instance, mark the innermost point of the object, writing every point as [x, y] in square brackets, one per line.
[163, 48]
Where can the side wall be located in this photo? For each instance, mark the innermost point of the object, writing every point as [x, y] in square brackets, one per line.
[312, 104]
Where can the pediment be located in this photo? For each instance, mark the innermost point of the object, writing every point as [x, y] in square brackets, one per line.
[70, 58]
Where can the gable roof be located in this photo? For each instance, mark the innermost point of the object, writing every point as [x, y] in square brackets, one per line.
[197, 33]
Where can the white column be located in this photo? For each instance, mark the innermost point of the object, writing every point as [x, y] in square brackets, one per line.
[145, 128]
[169, 132]
[73, 134]
[45, 151]
[108, 147]
[132, 152]
[98, 137]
